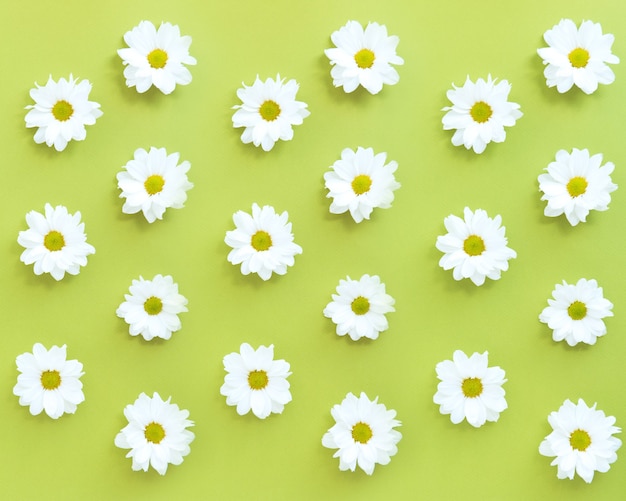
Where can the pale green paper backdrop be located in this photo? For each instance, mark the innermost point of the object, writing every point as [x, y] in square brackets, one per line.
[281, 458]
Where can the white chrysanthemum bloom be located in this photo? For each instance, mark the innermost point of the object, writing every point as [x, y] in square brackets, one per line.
[61, 111]
[479, 113]
[156, 57]
[255, 381]
[48, 381]
[474, 247]
[363, 433]
[361, 181]
[268, 111]
[582, 441]
[576, 312]
[469, 389]
[156, 433]
[153, 182]
[363, 57]
[55, 242]
[262, 242]
[575, 184]
[577, 56]
[359, 307]
[152, 307]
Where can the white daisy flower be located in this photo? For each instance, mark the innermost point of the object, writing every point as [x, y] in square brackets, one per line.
[577, 56]
[268, 111]
[469, 389]
[582, 441]
[153, 182]
[152, 307]
[61, 111]
[474, 247]
[255, 381]
[575, 184]
[156, 433]
[360, 182]
[55, 242]
[363, 57]
[156, 57]
[363, 433]
[48, 381]
[576, 312]
[262, 242]
[359, 307]
[479, 113]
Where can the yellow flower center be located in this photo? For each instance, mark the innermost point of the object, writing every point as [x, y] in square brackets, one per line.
[62, 110]
[364, 58]
[474, 245]
[360, 305]
[579, 57]
[579, 440]
[261, 241]
[54, 241]
[269, 110]
[50, 380]
[577, 310]
[257, 380]
[154, 432]
[481, 112]
[361, 432]
[577, 186]
[157, 58]
[472, 387]
[154, 184]
[361, 184]
[153, 305]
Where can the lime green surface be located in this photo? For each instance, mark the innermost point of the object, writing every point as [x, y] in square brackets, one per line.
[281, 458]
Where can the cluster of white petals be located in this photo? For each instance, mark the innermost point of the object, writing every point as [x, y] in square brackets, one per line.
[363, 433]
[48, 381]
[470, 389]
[479, 113]
[475, 247]
[363, 57]
[61, 111]
[255, 381]
[55, 242]
[156, 433]
[577, 56]
[156, 57]
[581, 441]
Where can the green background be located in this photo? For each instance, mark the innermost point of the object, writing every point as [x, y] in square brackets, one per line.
[280, 458]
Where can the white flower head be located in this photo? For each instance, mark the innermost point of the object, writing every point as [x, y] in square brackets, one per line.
[153, 182]
[575, 184]
[156, 57]
[581, 441]
[61, 111]
[268, 111]
[255, 381]
[152, 307]
[361, 181]
[363, 57]
[577, 56]
[48, 381]
[156, 433]
[359, 307]
[363, 433]
[474, 247]
[55, 242]
[469, 389]
[576, 312]
[262, 242]
[479, 113]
